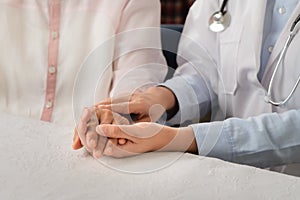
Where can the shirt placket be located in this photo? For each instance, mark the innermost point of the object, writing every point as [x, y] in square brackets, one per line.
[53, 48]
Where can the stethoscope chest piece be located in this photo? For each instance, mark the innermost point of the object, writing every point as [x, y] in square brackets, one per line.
[219, 21]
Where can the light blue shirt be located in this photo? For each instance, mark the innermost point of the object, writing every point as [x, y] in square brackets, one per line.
[277, 15]
[266, 140]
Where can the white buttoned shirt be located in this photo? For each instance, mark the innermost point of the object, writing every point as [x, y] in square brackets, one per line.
[53, 53]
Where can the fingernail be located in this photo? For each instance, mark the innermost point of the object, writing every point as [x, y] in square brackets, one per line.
[121, 141]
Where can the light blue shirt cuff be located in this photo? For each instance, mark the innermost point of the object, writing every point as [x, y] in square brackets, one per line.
[213, 140]
[184, 94]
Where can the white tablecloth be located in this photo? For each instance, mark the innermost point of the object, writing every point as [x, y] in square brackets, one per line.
[37, 162]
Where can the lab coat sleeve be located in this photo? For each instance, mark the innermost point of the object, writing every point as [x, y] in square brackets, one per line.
[192, 94]
[138, 59]
[263, 141]
[197, 60]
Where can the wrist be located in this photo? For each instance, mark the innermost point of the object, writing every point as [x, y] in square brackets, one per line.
[171, 105]
[179, 139]
[164, 96]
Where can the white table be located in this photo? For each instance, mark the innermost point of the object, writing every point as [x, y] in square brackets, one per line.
[37, 162]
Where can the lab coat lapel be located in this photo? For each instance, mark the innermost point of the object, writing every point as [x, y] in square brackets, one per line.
[249, 15]
[253, 25]
[278, 47]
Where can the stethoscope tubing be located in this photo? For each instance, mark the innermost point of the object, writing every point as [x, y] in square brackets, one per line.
[293, 31]
[224, 4]
[220, 20]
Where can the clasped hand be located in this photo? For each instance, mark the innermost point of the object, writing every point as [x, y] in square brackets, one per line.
[107, 129]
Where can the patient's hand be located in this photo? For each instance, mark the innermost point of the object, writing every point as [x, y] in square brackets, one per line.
[85, 132]
[145, 137]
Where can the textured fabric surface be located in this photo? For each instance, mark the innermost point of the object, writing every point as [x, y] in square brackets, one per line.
[37, 163]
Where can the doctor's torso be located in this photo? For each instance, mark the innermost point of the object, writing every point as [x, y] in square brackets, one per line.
[237, 54]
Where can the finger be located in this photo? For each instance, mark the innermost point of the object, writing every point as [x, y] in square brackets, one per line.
[109, 101]
[86, 115]
[119, 151]
[104, 102]
[120, 120]
[144, 119]
[82, 125]
[76, 141]
[84, 119]
[91, 139]
[108, 148]
[120, 99]
[113, 131]
[133, 132]
[82, 128]
[91, 134]
[105, 116]
[98, 152]
[123, 107]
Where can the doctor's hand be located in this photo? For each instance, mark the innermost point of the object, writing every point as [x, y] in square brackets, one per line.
[85, 133]
[146, 137]
[144, 106]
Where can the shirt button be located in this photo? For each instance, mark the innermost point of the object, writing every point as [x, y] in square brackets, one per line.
[52, 69]
[282, 10]
[54, 35]
[270, 49]
[48, 104]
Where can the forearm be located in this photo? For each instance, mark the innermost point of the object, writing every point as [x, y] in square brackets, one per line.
[266, 140]
[180, 139]
[138, 59]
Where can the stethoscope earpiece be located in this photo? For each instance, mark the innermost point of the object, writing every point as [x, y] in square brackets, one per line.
[219, 21]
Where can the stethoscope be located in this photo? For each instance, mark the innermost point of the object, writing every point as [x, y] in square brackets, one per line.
[293, 31]
[220, 20]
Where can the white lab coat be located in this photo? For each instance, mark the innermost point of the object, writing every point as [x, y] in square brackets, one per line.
[230, 61]
[234, 61]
